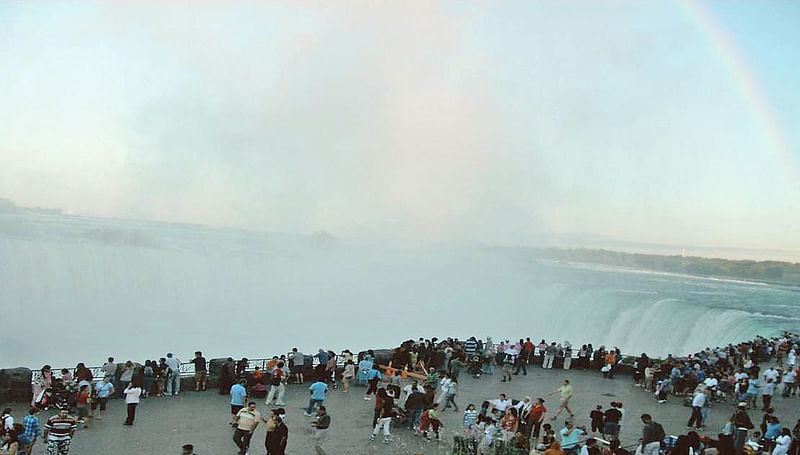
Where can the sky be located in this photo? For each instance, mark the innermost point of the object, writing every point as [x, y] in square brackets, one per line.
[515, 123]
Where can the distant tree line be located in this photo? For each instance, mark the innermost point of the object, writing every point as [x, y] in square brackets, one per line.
[768, 271]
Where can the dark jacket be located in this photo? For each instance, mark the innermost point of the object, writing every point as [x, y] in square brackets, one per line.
[417, 400]
[277, 439]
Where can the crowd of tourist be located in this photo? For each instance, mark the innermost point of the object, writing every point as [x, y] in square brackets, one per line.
[413, 384]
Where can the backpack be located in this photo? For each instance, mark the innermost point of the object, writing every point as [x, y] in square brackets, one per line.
[276, 377]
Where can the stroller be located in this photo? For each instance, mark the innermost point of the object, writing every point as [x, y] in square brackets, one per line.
[475, 367]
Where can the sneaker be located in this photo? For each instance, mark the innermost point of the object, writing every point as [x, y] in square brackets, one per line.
[367, 398]
[372, 437]
[386, 440]
[307, 414]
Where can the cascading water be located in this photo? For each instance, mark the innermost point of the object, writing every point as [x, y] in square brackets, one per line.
[79, 289]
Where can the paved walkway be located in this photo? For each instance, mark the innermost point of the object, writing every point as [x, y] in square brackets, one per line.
[163, 425]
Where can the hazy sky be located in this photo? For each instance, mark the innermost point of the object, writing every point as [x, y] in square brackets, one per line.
[500, 122]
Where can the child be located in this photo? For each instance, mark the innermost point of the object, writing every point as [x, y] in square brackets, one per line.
[470, 417]
[485, 408]
[549, 436]
[597, 419]
[429, 418]
[82, 403]
[452, 390]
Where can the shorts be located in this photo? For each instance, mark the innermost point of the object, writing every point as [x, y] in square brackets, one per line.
[508, 368]
[235, 408]
[200, 376]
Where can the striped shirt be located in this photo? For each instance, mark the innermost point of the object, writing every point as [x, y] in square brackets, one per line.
[60, 428]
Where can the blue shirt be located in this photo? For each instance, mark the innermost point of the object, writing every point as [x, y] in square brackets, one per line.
[773, 429]
[373, 373]
[568, 441]
[318, 390]
[238, 392]
[103, 389]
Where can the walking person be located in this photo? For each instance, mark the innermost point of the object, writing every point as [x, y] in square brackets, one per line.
[200, 371]
[698, 401]
[103, 391]
[452, 390]
[317, 390]
[319, 429]
[238, 399]
[174, 380]
[245, 421]
[415, 403]
[132, 393]
[277, 433]
[385, 414]
[32, 430]
[565, 392]
[58, 431]
[277, 391]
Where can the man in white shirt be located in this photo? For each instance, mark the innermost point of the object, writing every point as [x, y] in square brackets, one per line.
[789, 381]
[771, 373]
[174, 381]
[698, 401]
[500, 405]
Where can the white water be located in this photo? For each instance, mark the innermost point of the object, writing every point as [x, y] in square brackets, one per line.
[77, 289]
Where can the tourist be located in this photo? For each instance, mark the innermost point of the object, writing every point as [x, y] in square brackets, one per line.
[509, 424]
[10, 443]
[451, 392]
[277, 390]
[597, 419]
[373, 375]
[132, 393]
[164, 375]
[277, 433]
[330, 369]
[590, 448]
[103, 391]
[415, 403]
[742, 423]
[174, 379]
[110, 369]
[554, 449]
[549, 356]
[125, 377]
[565, 392]
[31, 431]
[767, 391]
[698, 401]
[297, 364]
[319, 428]
[570, 437]
[348, 374]
[783, 442]
[200, 371]
[149, 378]
[82, 405]
[238, 399]
[58, 431]
[509, 359]
[429, 419]
[187, 449]
[245, 421]
[652, 435]
[43, 382]
[535, 418]
[6, 420]
[226, 376]
[317, 390]
[470, 417]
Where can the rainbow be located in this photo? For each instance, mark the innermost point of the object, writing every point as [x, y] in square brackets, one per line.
[746, 82]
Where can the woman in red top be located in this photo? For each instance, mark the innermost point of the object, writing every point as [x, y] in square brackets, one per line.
[510, 422]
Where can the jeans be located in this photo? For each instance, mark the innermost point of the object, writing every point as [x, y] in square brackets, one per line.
[242, 440]
[413, 418]
[312, 405]
[174, 383]
[280, 392]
